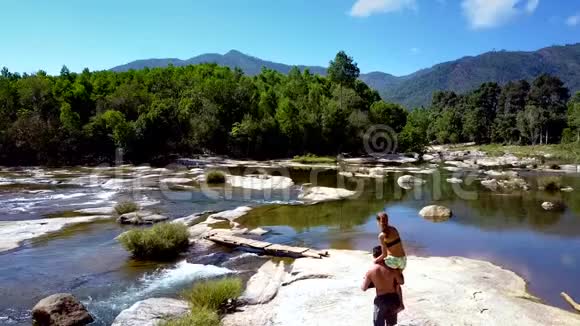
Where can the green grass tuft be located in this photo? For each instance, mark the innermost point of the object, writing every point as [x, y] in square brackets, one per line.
[125, 207]
[161, 242]
[198, 316]
[313, 159]
[215, 177]
[213, 294]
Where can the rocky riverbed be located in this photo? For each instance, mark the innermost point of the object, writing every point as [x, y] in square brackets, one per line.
[438, 291]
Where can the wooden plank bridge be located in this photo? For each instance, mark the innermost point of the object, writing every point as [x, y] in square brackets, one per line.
[265, 247]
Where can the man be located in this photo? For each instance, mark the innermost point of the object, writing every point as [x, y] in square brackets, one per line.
[386, 281]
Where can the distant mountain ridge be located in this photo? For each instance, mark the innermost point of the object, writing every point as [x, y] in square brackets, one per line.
[416, 89]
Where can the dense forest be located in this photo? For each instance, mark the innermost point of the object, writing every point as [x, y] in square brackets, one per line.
[157, 114]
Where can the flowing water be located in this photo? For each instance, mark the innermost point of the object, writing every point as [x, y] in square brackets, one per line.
[511, 230]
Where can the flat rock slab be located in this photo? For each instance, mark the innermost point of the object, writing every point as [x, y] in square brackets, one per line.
[141, 218]
[319, 194]
[12, 233]
[438, 291]
[260, 182]
[151, 312]
[231, 215]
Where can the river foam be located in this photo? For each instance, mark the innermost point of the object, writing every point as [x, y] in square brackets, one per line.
[166, 282]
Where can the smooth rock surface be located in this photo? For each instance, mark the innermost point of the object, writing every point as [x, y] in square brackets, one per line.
[435, 212]
[232, 214]
[549, 206]
[454, 180]
[260, 182]
[61, 309]
[14, 232]
[141, 218]
[319, 194]
[438, 291]
[151, 312]
[408, 181]
[263, 286]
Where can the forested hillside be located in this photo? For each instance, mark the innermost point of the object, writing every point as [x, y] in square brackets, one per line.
[416, 89]
[154, 113]
[157, 114]
[500, 67]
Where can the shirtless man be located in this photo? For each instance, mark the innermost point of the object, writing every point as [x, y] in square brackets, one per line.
[386, 281]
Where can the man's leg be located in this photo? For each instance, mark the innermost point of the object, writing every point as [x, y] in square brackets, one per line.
[378, 316]
[391, 319]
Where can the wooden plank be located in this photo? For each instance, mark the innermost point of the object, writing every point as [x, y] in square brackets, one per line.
[570, 301]
[266, 247]
[278, 247]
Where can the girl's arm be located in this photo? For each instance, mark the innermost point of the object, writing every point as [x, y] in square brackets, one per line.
[385, 253]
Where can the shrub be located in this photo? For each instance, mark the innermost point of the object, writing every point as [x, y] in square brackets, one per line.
[125, 207]
[213, 294]
[550, 183]
[215, 177]
[198, 316]
[161, 242]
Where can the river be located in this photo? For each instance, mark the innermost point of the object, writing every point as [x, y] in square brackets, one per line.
[511, 230]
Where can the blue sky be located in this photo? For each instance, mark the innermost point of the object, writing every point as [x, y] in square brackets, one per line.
[394, 36]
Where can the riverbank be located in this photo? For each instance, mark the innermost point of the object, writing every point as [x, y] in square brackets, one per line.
[438, 291]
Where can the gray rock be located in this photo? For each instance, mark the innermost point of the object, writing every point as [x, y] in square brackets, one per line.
[141, 218]
[408, 181]
[258, 231]
[320, 194]
[151, 312]
[436, 213]
[549, 206]
[61, 309]
[12, 233]
[454, 180]
[263, 286]
[567, 189]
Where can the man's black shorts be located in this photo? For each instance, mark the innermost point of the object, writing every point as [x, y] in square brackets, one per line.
[386, 306]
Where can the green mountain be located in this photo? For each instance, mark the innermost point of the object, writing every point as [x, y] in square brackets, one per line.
[498, 66]
[416, 89]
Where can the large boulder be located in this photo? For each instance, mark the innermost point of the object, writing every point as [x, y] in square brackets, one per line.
[151, 312]
[436, 213]
[61, 309]
[141, 218]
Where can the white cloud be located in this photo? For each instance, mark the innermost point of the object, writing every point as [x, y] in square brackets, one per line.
[365, 8]
[492, 13]
[415, 50]
[573, 20]
[532, 5]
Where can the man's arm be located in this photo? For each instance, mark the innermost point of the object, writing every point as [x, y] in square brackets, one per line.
[366, 282]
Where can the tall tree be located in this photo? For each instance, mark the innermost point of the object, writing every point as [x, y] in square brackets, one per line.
[512, 100]
[344, 71]
[550, 96]
[574, 115]
[530, 122]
